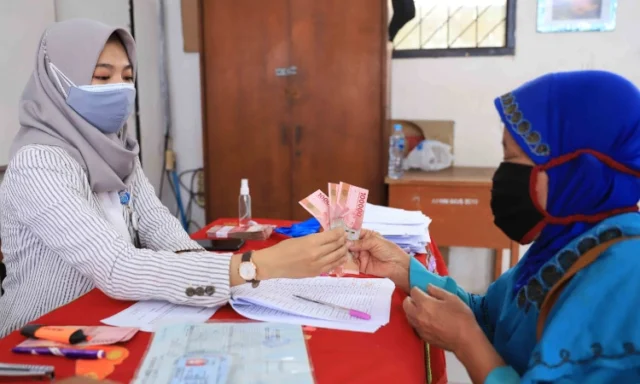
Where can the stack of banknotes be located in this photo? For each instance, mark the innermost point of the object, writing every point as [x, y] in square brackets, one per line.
[344, 207]
[246, 232]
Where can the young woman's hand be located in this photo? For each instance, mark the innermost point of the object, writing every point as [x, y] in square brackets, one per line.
[306, 256]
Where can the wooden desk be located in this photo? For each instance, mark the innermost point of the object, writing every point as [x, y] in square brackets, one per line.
[458, 201]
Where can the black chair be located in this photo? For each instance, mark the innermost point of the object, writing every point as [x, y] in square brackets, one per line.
[3, 271]
[3, 274]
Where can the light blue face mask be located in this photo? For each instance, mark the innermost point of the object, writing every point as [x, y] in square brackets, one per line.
[106, 106]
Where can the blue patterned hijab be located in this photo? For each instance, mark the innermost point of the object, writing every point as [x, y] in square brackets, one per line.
[583, 129]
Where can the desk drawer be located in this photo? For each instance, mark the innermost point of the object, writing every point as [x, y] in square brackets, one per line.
[461, 215]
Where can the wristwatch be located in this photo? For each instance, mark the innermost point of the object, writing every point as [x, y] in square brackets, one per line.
[248, 270]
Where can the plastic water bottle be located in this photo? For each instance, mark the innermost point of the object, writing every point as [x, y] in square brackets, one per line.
[244, 204]
[396, 152]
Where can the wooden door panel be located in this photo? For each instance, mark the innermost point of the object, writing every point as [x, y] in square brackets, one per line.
[337, 95]
[246, 131]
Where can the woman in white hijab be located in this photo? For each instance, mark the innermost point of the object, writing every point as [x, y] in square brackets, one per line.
[77, 211]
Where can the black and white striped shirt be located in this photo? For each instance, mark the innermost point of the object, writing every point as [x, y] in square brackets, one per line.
[58, 245]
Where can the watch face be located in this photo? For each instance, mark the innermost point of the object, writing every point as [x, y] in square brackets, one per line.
[247, 271]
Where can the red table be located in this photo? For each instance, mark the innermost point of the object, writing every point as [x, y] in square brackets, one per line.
[394, 354]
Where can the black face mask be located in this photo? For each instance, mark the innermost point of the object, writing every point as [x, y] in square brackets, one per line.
[513, 209]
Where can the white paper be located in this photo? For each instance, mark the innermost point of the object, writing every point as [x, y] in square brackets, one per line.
[274, 300]
[408, 229]
[148, 315]
[387, 215]
[418, 230]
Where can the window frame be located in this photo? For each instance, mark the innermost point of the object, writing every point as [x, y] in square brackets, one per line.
[508, 50]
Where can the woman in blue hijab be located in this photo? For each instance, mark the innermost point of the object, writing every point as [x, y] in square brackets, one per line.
[569, 182]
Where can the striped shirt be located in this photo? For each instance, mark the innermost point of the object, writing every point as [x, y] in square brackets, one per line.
[58, 244]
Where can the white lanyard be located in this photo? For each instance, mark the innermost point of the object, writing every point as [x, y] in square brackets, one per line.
[113, 212]
[126, 200]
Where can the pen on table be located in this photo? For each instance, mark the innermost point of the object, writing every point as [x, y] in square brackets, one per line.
[22, 370]
[71, 353]
[352, 312]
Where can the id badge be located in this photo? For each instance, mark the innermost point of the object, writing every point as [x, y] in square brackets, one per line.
[202, 369]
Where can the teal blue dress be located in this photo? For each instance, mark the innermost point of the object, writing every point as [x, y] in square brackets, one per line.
[592, 334]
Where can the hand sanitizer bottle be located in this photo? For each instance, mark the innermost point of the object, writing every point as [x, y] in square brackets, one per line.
[244, 204]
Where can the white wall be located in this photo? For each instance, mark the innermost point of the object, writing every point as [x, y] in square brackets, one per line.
[462, 89]
[21, 26]
[150, 107]
[186, 109]
[112, 12]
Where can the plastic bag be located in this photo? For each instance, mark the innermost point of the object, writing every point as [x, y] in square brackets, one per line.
[304, 228]
[429, 155]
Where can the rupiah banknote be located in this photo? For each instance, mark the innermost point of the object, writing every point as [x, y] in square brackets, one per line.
[344, 207]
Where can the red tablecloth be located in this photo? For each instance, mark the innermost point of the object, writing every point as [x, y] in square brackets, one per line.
[394, 354]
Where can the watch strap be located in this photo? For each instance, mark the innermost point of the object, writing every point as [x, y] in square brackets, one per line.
[246, 257]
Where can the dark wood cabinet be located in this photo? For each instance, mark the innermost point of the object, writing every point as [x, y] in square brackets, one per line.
[294, 96]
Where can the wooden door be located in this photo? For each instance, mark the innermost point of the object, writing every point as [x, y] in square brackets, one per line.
[246, 130]
[338, 95]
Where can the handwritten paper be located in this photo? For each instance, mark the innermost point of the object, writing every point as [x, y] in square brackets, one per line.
[227, 352]
[148, 315]
[274, 300]
[256, 312]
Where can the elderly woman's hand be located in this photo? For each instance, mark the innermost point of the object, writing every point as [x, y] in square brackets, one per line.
[441, 318]
[379, 257]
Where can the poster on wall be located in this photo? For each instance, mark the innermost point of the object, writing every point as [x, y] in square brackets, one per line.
[576, 15]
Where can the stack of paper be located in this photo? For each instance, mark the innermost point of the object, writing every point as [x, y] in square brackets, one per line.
[276, 301]
[408, 229]
[245, 232]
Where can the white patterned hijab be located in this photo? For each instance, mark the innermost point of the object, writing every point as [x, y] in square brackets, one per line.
[74, 47]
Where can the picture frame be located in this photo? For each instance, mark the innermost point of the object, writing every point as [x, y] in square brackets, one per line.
[576, 15]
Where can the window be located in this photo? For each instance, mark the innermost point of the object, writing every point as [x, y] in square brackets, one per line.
[443, 28]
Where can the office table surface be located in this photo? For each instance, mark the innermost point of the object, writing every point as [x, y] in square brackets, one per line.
[393, 354]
